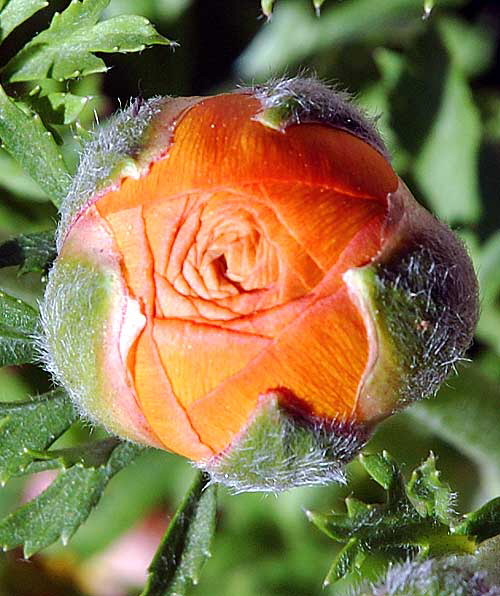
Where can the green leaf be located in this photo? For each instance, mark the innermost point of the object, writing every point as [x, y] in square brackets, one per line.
[471, 46]
[428, 494]
[488, 267]
[428, 8]
[449, 157]
[185, 547]
[343, 563]
[317, 5]
[27, 140]
[30, 252]
[465, 413]
[66, 50]
[60, 509]
[31, 425]
[414, 517]
[18, 323]
[267, 7]
[489, 283]
[57, 107]
[483, 523]
[384, 470]
[349, 21]
[437, 122]
[89, 455]
[143, 487]
[16, 12]
[16, 181]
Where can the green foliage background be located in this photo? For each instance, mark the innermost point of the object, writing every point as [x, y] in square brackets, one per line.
[435, 83]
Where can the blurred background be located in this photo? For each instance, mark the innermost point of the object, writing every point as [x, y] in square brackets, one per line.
[434, 83]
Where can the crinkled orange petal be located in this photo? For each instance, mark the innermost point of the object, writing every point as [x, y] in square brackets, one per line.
[217, 144]
[166, 416]
[129, 234]
[320, 220]
[163, 220]
[320, 357]
[198, 357]
[360, 250]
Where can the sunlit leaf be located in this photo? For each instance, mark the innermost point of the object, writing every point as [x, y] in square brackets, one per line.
[27, 140]
[15, 12]
[447, 167]
[66, 50]
[59, 108]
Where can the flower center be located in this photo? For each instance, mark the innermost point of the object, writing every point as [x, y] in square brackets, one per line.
[230, 255]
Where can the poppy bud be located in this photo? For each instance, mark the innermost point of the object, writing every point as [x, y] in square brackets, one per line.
[244, 280]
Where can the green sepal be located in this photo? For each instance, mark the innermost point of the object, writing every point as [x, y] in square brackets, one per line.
[281, 448]
[419, 301]
[74, 332]
[278, 117]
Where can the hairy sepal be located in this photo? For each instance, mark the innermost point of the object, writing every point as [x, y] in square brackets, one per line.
[450, 576]
[419, 300]
[281, 448]
[298, 100]
[89, 322]
[125, 146]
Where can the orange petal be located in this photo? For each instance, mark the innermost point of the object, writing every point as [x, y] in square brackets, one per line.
[321, 220]
[217, 144]
[159, 405]
[199, 357]
[320, 358]
[129, 234]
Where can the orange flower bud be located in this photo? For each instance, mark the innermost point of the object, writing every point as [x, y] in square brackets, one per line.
[244, 280]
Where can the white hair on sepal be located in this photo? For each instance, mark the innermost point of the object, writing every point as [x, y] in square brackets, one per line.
[73, 319]
[429, 299]
[450, 576]
[311, 100]
[281, 449]
[120, 137]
